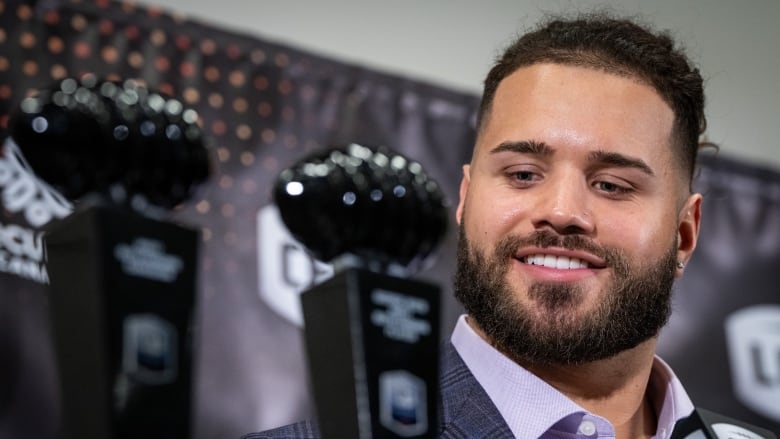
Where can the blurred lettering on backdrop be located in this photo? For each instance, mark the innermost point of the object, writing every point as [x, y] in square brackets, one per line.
[265, 105]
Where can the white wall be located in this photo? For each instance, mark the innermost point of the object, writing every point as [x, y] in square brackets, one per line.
[452, 43]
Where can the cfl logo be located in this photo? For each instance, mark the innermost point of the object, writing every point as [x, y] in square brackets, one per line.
[753, 336]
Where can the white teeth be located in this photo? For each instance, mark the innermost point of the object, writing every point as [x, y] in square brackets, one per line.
[559, 262]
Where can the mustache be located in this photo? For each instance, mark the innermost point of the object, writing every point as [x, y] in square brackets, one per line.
[509, 244]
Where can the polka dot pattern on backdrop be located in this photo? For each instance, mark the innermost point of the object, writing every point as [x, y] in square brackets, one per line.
[239, 87]
[262, 105]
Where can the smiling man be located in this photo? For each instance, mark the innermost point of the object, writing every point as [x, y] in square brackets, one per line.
[576, 215]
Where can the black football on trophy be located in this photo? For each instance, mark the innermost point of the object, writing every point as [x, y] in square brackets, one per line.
[373, 204]
[97, 136]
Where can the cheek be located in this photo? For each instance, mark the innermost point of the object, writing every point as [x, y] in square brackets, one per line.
[491, 217]
[642, 232]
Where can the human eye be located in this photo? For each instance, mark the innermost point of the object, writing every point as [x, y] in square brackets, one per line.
[523, 177]
[613, 189]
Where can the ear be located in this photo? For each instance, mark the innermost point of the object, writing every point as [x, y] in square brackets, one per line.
[688, 229]
[464, 189]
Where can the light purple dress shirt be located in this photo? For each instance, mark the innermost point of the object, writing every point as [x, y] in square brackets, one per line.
[534, 409]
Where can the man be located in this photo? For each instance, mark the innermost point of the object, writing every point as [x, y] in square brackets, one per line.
[575, 218]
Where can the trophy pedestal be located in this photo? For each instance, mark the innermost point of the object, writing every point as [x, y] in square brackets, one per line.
[122, 302]
[373, 347]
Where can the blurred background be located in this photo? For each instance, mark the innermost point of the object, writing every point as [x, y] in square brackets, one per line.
[453, 43]
[273, 81]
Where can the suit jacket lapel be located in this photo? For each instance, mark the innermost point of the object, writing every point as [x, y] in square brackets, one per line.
[466, 410]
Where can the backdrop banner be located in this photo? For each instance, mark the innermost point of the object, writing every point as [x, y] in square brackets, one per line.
[266, 105]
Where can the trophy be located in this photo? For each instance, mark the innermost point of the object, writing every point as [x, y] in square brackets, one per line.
[122, 278]
[371, 333]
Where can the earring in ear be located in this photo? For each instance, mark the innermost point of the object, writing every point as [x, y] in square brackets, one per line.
[680, 265]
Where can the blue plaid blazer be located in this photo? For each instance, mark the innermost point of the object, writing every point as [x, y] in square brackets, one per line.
[465, 409]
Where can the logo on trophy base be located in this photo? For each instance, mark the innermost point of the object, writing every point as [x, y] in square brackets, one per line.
[402, 403]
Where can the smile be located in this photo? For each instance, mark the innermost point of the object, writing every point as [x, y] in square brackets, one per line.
[559, 262]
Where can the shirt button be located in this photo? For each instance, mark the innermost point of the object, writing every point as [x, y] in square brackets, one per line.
[587, 428]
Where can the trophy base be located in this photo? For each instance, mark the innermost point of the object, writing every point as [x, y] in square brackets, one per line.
[122, 295]
[372, 342]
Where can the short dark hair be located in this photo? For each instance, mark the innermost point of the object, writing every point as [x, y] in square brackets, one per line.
[619, 46]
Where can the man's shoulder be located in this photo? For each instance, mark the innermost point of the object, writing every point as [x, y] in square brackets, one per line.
[466, 410]
[299, 430]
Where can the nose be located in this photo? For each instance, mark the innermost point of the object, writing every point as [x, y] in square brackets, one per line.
[564, 207]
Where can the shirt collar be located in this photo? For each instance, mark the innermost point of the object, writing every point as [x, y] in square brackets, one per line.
[531, 407]
[675, 404]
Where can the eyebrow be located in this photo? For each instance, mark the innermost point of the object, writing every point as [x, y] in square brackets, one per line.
[524, 147]
[620, 161]
[603, 158]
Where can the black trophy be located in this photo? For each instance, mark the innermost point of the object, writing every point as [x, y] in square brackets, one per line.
[122, 279]
[372, 334]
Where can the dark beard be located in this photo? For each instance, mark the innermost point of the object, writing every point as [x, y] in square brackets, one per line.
[634, 309]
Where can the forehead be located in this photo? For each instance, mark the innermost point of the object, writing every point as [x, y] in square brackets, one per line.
[571, 106]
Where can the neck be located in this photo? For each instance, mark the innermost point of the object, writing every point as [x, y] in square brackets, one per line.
[614, 388]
